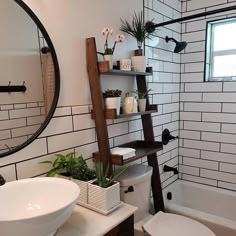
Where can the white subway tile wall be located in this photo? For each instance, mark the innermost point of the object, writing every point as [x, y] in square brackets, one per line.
[207, 157]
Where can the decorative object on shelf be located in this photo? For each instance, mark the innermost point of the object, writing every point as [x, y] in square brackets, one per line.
[75, 168]
[142, 99]
[125, 64]
[139, 63]
[108, 52]
[112, 99]
[125, 152]
[137, 29]
[129, 104]
[104, 192]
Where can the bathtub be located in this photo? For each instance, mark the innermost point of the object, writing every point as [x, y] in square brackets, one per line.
[214, 207]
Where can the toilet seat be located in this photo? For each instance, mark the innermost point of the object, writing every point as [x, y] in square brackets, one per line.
[166, 224]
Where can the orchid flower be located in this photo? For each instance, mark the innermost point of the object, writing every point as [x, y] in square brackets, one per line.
[119, 39]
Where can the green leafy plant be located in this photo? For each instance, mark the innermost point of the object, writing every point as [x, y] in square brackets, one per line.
[142, 95]
[137, 28]
[112, 93]
[70, 165]
[102, 176]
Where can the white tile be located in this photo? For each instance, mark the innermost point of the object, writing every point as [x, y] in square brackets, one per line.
[211, 146]
[190, 97]
[229, 128]
[58, 125]
[8, 173]
[207, 107]
[6, 107]
[173, 107]
[87, 150]
[193, 5]
[197, 179]
[186, 134]
[217, 156]
[230, 168]
[37, 148]
[70, 140]
[228, 148]
[5, 134]
[192, 77]
[219, 137]
[62, 111]
[200, 163]
[219, 97]
[202, 126]
[193, 116]
[83, 122]
[219, 117]
[28, 130]
[217, 175]
[229, 107]
[35, 120]
[24, 112]
[80, 110]
[192, 57]
[189, 152]
[203, 87]
[188, 170]
[19, 106]
[4, 115]
[118, 129]
[128, 138]
[135, 125]
[227, 185]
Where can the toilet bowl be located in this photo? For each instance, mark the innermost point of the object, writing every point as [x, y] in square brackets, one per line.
[135, 189]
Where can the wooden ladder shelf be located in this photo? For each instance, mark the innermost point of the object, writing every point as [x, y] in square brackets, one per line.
[148, 147]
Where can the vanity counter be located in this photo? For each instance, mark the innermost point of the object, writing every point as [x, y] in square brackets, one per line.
[84, 222]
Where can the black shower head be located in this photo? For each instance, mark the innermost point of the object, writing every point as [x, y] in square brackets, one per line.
[179, 45]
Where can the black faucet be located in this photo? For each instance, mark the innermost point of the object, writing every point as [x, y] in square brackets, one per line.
[169, 168]
[2, 181]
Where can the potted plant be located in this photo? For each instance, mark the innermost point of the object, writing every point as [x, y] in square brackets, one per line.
[137, 29]
[104, 192]
[74, 168]
[142, 99]
[112, 99]
[108, 51]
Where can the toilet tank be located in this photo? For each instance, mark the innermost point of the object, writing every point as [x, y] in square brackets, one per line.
[135, 188]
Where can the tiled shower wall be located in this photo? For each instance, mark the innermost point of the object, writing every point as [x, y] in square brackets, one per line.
[207, 117]
[165, 81]
[72, 128]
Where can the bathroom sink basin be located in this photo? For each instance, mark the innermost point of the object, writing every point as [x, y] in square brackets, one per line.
[37, 206]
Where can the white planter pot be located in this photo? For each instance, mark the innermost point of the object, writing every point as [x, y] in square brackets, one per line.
[109, 58]
[139, 63]
[113, 103]
[83, 185]
[142, 104]
[104, 198]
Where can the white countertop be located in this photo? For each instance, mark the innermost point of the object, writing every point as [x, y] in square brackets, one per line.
[84, 222]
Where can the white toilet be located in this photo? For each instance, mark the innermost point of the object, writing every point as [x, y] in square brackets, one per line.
[135, 188]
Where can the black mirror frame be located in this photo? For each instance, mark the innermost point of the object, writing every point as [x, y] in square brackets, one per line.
[57, 79]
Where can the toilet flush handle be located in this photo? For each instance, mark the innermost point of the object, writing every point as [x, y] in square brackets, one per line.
[129, 190]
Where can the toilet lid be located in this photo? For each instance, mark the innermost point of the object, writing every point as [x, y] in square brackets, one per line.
[166, 224]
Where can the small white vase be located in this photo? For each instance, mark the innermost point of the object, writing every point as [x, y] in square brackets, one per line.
[129, 105]
[113, 103]
[109, 58]
[139, 63]
[142, 104]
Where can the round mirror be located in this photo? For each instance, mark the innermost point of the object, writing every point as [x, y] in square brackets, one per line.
[29, 77]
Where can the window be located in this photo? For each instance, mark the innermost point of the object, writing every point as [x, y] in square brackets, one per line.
[220, 61]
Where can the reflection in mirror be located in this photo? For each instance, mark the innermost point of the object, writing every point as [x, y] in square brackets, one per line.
[25, 59]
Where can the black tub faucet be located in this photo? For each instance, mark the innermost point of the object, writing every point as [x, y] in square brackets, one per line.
[2, 180]
[169, 168]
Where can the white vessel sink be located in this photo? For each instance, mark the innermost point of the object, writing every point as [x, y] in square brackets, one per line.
[37, 206]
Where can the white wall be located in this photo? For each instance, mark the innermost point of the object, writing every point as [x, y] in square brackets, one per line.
[208, 119]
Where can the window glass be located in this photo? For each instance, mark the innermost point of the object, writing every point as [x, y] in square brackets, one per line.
[220, 63]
